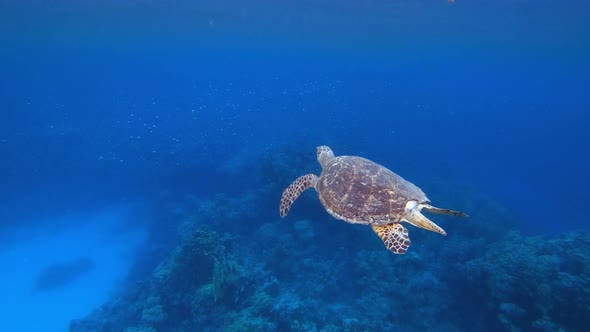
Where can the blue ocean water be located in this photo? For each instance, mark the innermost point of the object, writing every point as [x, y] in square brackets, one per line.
[128, 126]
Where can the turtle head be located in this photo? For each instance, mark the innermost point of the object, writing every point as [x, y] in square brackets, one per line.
[325, 154]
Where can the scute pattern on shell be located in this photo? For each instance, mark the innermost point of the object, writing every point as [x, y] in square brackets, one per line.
[358, 190]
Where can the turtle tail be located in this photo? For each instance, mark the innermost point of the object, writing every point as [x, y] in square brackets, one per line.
[294, 190]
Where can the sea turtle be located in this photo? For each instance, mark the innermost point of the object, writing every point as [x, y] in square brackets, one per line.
[360, 191]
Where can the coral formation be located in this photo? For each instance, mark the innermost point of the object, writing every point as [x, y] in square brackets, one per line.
[239, 268]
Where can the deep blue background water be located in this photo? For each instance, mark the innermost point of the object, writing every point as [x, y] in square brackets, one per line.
[117, 102]
[122, 97]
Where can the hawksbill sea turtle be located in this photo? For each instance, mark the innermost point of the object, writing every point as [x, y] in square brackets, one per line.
[360, 191]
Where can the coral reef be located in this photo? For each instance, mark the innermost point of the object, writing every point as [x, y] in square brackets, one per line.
[534, 282]
[240, 268]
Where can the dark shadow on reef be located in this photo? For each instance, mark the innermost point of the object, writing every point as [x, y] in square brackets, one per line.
[58, 275]
[239, 267]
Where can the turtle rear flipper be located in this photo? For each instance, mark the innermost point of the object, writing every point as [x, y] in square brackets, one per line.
[433, 209]
[414, 217]
[394, 236]
[294, 190]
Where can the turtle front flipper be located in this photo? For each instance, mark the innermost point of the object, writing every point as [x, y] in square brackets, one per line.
[432, 209]
[294, 190]
[394, 236]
